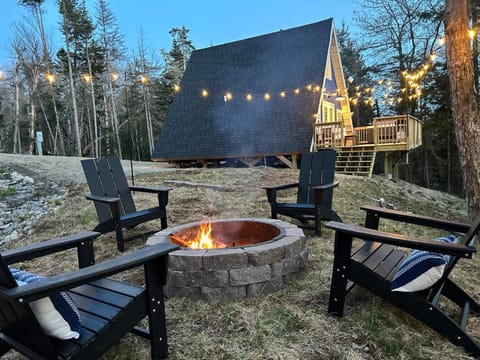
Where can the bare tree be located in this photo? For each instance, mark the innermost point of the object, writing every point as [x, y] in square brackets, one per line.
[112, 45]
[36, 8]
[465, 110]
[67, 12]
[29, 56]
[399, 35]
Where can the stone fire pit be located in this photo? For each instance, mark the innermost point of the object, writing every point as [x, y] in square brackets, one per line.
[241, 270]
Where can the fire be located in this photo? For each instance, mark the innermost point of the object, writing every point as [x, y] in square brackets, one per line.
[202, 240]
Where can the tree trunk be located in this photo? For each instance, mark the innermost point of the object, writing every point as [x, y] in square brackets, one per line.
[95, 146]
[464, 99]
[33, 110]
[76, 122]
[17, 144]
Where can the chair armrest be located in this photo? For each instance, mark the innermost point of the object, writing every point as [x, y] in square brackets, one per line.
[326, 186]
[150, 189]
[400, 240]
[319, 189]
[416, 219]
[49, 247]
[272, 191]
[103, 199]
[280, 187]
[61, 282]
[161, 191]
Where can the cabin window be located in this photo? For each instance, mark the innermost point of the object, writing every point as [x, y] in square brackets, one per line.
[328, 70]
[328, 111]
[339, 115]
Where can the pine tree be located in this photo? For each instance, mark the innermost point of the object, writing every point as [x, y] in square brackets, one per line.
[357, 76]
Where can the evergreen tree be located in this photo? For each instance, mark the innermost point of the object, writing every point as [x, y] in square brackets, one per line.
[357, 77]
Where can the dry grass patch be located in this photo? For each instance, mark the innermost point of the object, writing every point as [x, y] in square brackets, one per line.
[292, 323]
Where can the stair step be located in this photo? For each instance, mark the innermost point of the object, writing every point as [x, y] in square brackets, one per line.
[355, 161]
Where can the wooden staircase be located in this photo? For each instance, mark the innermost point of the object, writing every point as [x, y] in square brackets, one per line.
[355, 160]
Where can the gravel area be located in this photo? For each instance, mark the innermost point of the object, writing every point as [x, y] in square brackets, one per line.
[64, 169]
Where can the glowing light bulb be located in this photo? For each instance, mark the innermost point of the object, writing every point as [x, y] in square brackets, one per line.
[249, 97]
[50, 78]
[204, 93]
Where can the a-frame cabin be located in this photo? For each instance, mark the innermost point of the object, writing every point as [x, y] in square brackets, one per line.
[275, 95]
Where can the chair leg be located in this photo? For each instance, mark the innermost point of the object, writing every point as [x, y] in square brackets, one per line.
[120, 240]
[163, 222]
[274, 214]
[318, 224]
[154, 272]
[341, 268]
[4, 348]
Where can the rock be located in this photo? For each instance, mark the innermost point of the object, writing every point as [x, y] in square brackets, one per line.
[29, 202]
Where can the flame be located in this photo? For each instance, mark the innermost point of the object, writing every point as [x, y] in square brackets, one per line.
[202, 240]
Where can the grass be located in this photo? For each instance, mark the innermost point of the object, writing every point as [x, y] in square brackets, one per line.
[7, 191]
[289, 324]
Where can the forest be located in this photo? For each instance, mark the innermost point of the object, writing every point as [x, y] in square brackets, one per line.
[92, 97]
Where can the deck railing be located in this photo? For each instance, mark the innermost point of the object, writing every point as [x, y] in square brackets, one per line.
[403, 130]
[329, 134]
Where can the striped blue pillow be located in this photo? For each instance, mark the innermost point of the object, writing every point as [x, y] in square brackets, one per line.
[57, 314]
[421, 269]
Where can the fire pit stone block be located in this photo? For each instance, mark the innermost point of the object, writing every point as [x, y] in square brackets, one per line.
[220, 259]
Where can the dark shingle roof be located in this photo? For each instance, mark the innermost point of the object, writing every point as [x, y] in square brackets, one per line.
[210, 128]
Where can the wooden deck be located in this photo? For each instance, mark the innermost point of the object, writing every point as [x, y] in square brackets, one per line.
[355, 146]
[391, 133]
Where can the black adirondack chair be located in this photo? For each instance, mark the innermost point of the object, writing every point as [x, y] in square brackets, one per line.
[374, 261]
[109, 308]
[112, 195]
[314, 194]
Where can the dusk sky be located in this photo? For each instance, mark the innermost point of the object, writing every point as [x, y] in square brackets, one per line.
[211, 22]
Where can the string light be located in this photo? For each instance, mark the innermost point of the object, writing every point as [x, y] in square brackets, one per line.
[266, 96]
[204, 93]
[249, 97]
[228, 96]
[50, 78]
[176, 87]
[87, 78]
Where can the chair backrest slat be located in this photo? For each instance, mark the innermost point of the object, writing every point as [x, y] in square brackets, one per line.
[316, 169]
